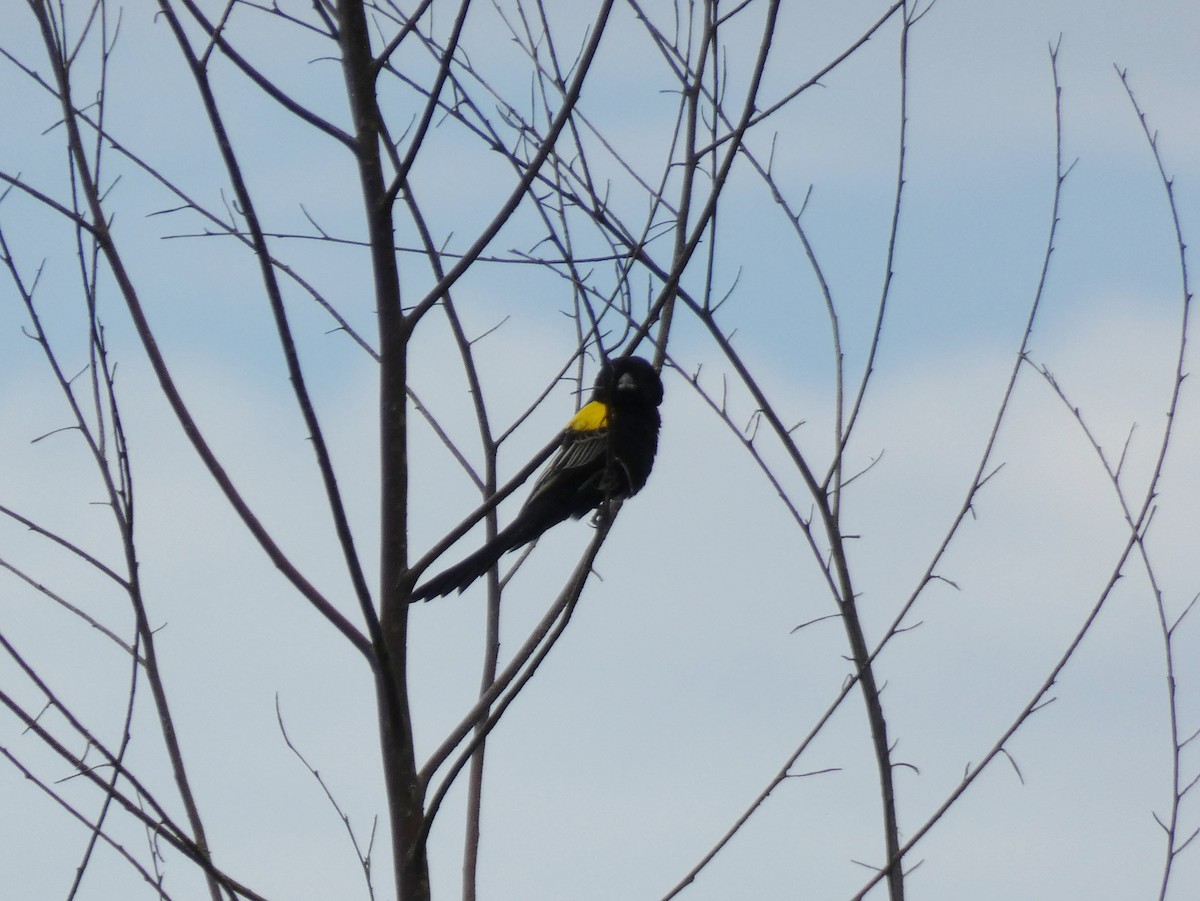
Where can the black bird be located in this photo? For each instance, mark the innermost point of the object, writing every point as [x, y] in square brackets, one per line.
[606, 453]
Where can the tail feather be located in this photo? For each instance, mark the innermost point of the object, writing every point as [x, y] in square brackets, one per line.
[462, 574]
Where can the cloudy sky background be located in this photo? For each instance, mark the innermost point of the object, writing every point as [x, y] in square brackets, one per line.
[680, 688]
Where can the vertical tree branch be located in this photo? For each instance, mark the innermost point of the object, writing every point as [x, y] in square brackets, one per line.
[405, 792]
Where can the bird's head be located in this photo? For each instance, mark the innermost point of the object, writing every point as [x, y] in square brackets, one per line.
[629, 379]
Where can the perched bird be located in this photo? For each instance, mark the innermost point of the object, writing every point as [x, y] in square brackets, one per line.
[606, 453]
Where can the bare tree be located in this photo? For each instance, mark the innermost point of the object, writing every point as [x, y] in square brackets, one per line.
[440, 134]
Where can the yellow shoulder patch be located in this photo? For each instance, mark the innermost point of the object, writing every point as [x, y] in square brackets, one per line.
[590, 418]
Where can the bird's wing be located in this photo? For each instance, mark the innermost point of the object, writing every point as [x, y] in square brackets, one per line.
[579, 450]
[584, 445]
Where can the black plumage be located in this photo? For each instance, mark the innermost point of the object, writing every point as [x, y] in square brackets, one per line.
[606, 453]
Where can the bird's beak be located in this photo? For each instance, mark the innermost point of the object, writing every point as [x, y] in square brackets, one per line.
[626, 383]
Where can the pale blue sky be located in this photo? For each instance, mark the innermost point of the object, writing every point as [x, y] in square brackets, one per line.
[679, 688]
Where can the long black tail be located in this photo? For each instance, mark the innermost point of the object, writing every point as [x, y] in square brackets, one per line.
[462, 574]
